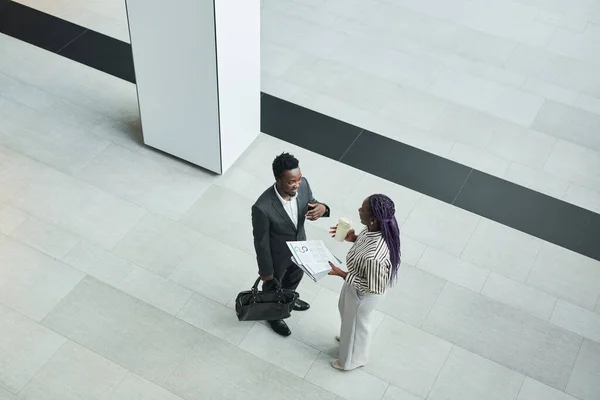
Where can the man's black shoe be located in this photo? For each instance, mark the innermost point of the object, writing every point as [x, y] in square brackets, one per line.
[300, 305]
[280, 327]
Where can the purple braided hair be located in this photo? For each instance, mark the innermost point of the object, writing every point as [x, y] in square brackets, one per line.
[384, 210]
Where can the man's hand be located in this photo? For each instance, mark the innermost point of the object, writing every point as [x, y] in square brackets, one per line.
[267, 277]
[315, 211]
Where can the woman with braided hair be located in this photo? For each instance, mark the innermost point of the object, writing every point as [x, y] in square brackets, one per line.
[372, 264]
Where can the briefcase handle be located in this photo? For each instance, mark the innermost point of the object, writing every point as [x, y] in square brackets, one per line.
[255, 289]
[255, 286]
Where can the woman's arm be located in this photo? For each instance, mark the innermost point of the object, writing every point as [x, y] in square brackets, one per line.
[374, 280]
[376, 277]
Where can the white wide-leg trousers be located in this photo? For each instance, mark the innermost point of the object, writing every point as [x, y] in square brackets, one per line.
[355, 334]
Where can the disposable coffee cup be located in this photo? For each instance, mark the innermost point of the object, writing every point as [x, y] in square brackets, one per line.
[343, 226]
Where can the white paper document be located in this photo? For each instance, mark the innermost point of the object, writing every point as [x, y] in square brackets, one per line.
[313, 257]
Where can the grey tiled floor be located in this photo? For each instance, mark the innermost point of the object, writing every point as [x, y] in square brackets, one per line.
[118, 265]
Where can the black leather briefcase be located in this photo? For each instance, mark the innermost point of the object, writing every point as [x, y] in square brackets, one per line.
[255, 305]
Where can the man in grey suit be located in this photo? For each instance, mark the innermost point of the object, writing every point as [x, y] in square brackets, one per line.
[278, 217]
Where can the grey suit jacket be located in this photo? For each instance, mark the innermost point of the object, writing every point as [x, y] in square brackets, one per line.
[272, 228]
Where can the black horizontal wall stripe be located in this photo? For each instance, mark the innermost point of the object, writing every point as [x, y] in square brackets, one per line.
[35, 27]
[109, 55]
[521, 208]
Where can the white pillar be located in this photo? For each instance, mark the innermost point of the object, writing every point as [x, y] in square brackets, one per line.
[197, 67]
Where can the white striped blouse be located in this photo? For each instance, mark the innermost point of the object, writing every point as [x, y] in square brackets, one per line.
[368, 263]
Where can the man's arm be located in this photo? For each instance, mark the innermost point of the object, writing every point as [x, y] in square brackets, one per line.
[262, 242]
[313, 201]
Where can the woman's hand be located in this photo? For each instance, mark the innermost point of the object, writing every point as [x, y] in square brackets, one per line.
[336, 271]
[350, 236]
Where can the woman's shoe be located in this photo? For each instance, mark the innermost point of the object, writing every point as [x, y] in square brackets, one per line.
[336, 364]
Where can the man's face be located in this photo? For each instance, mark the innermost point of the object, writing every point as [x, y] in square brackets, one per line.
[290, 181]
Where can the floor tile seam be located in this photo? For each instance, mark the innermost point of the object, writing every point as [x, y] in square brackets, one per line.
[446, 20]
[81, 182]
[101, 117]
[38, 370]
[303, 18]
[422, 196]
[58, 260]
[520, 310]
[553, 309]
[581, 337]
[521, 385]
[498, 363]
[437, 298]
[302, 341]
[203, 234]
[468, 241]
[28, 318]
[59, 51]
[185, 303]
[27, 216]
[412, 209]
[461, 188]
[237, 248]
[53, 225]
[437, 377]
[487, 278]
[421, 256]
[386, 392]
[2, 387]
[551, 36]
[351, 144]
[183, 359]
[523, 311]
[238, 348]
[477, 265]
[389, 385]
[92, 159]
[116, 386]
[156, 162]
[73, 175]
[119, 286]
[573, 367]
[245, 334]
[547, 158]
[537, 255]
[137, 300]
[313, 363]
[343, 372]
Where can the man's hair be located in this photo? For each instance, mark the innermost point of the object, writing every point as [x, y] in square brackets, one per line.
[284, 162]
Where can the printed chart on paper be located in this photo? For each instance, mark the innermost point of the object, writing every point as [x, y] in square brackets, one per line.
[313, 257]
